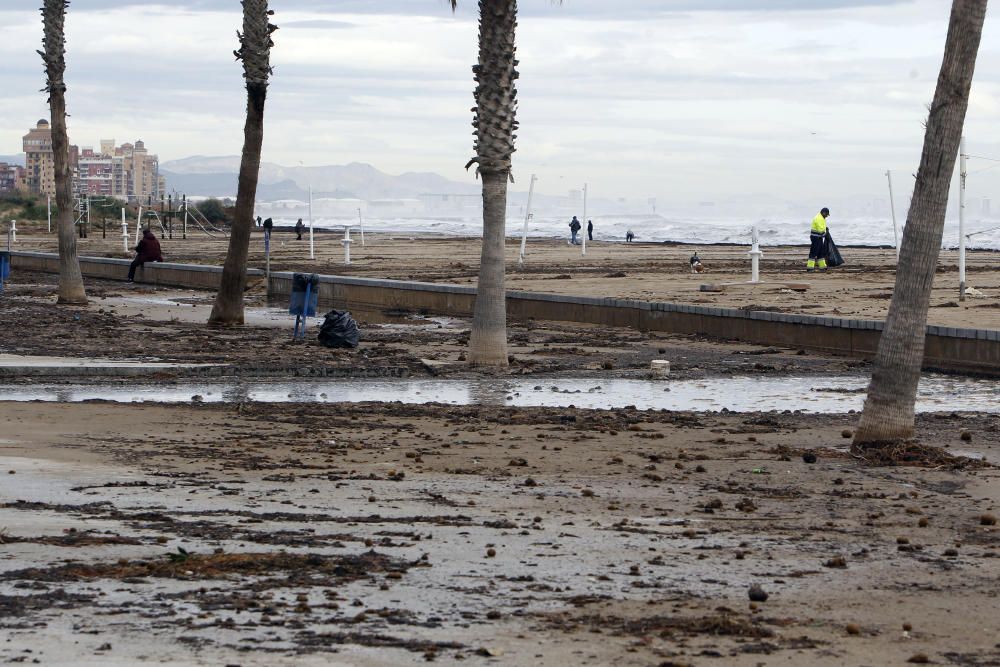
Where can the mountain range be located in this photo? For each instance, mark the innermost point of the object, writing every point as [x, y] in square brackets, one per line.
[217, 176]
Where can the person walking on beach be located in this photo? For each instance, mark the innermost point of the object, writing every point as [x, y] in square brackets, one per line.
[817, 242]
[148, 250]
[258, 221]
[590, 230]
[629, 236]
[268, 226]
[298, 230]
[574, 227]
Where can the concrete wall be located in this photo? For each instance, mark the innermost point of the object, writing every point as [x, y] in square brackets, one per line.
[970, 350]
[947, 348]
[166, 274]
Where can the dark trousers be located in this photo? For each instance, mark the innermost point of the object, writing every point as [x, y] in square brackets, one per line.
[590, 235]
[817, 245]
[131, 268]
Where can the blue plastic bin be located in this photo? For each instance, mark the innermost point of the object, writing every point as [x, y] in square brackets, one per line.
[305, 294]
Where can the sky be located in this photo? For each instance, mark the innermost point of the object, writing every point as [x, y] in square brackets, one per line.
[682, 100]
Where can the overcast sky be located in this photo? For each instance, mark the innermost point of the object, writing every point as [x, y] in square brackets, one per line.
[684, 100]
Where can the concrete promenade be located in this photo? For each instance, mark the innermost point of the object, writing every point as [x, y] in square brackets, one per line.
[947, 348]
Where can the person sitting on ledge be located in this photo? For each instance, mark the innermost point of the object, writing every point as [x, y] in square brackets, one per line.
[148, 250]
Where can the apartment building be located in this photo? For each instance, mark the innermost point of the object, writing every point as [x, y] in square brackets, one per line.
[11, 177]
[128, 171]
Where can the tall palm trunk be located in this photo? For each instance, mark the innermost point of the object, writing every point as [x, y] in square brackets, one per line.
[255, 52]
[495, 123]
[71, 288]
[888, 412]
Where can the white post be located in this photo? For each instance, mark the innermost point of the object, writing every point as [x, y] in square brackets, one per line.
[527, 216]
[755, 255]
[49, 197]
[347, 244]
[312, 248]
[124, 233]
[87, 228]
[892, 209]
[138, 225]
[584, 228]
[12, 237]
[962, 173]
[361, 224]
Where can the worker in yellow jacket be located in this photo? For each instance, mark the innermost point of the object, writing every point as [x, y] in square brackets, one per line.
[817, 242]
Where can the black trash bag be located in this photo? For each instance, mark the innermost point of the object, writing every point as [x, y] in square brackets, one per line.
[338, 330]
[833, 257]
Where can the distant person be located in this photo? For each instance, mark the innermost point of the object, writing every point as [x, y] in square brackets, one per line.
[817, 242]
[574, 228]
[590, 230]
[258, 221]
[148, 250]
[298, 230]
[696, 265]
[629, 236]
[268, 226]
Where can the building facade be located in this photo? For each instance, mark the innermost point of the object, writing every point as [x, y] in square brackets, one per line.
[11, 177]
[39, 167]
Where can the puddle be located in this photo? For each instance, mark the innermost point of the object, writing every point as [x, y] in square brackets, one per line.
[737, 394]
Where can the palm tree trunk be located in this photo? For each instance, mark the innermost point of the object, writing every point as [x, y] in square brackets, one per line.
[488, 340]
[495, 123]
[71, 288]
[888, 414]
[255, 51]
[228, 307]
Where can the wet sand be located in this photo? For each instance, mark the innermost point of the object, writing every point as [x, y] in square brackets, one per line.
[390, 534]
[537, 536]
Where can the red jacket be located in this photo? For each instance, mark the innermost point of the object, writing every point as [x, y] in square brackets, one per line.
[148, 249]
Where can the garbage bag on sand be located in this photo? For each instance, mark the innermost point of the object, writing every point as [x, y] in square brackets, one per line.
[833, 257]
[338, 330]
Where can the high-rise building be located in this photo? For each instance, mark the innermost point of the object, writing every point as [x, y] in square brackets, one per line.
[94, 174]
[38, 165]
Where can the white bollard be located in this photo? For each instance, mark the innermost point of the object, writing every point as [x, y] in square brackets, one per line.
[659, 368]
[124, 234]
[347, 245]
[13, 231]
[755, 255]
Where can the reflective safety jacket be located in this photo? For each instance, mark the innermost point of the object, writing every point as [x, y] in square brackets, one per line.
[819, 224]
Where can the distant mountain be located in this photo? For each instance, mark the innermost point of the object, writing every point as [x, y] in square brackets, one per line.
[217, 176]
[13, 159]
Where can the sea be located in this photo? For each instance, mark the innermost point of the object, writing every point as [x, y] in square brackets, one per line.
[874, 232]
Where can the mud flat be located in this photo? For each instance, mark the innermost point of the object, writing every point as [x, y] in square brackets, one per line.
[373, 533]
[390, 534]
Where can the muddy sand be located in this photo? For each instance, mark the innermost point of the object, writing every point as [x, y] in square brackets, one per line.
[370, 533]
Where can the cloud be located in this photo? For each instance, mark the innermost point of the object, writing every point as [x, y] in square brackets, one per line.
[675, 99]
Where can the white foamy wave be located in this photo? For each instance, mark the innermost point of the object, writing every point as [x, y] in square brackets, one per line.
[656, 228]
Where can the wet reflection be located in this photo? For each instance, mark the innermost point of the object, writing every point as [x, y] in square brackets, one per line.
[738, 394]
[484, 392]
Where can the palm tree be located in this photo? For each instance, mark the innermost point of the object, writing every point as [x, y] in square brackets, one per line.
[255, 52]
[888, 413]
[71, 288]
[495, 124]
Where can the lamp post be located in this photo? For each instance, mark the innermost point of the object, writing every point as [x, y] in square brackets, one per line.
[527, 217]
